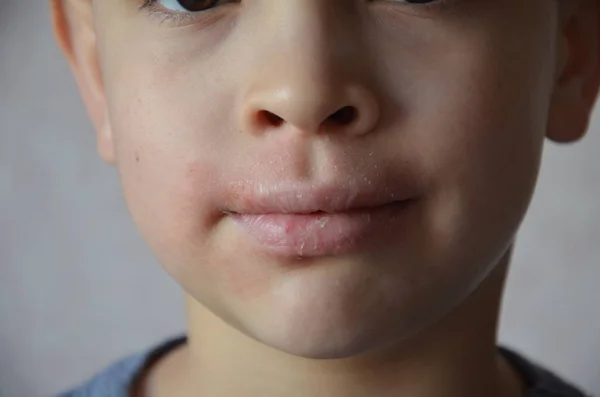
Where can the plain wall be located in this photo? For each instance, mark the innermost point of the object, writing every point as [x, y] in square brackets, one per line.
[79, 289]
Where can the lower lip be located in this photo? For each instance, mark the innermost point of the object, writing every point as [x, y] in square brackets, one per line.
[319, 234]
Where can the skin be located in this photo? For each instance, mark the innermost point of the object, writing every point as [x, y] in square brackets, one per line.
[459, 97]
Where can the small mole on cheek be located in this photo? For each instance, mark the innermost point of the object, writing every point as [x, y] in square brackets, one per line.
[137, 157]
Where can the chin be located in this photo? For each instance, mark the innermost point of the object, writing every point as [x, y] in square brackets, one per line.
[320, 331]
[336, 311]
[333, 345]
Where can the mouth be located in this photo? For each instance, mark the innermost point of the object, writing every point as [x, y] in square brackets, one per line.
[293, 221]
[302, 199]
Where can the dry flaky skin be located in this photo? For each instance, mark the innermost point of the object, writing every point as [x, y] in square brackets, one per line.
[453, 99]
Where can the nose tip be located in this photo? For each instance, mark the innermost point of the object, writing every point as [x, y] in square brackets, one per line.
[355, 112]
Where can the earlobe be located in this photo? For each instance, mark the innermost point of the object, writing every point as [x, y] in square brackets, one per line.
[105, 143]
[75, 34]
[568, 121]
[578, 73]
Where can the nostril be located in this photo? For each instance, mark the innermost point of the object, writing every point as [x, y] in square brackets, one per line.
[271, 118]
[345, 115]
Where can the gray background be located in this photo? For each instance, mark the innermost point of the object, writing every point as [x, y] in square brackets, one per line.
[78, 288]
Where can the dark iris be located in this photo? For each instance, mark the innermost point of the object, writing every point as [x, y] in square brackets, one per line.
[197, 5]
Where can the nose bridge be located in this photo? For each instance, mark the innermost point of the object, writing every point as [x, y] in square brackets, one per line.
[308, 73]
[316, 43]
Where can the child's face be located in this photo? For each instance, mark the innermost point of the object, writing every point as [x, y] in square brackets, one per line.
[207, 115]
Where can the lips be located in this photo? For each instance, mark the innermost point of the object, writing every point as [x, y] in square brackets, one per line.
[308, 220]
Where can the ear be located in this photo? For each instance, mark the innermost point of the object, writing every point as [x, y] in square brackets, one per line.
[578, 71]
[74, 30]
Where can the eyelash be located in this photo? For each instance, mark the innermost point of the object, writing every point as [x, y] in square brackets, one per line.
[152, 7]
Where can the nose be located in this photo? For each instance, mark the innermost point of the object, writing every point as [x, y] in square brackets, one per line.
[309, 107]
[309, 79]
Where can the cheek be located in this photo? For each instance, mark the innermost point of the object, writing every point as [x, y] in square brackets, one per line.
[162, 199]
[167, 192]
[170, 192]
[163, 157]
[481, 130]
[170, 143]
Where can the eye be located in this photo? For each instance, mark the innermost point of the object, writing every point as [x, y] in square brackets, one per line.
[424, 5]
[185, 5]
[178, 9]
[203, 5]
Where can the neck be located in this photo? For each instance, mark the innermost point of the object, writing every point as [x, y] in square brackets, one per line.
[455, 357]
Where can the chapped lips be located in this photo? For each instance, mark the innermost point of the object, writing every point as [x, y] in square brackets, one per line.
[296, 219]
[301, 198]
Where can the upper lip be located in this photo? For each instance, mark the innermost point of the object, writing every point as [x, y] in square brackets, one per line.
[305, 198]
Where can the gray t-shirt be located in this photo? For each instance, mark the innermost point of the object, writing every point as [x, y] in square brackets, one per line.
[118, 379]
